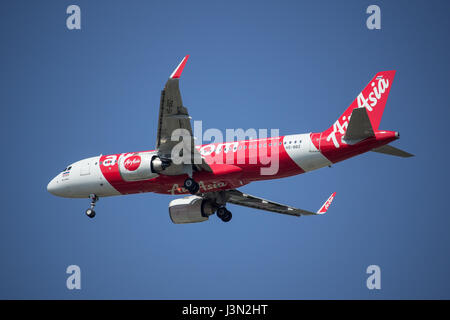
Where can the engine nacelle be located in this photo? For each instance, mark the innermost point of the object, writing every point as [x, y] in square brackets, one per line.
[190, 209]
[158, 164]
[137, 167]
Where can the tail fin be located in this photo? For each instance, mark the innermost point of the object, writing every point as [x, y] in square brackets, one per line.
[373, 97]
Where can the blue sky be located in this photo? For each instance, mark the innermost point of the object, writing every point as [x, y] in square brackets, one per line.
[292, 65]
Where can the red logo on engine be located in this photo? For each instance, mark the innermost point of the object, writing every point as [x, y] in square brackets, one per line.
[132, 163]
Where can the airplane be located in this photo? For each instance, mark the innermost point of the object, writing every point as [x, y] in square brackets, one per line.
[211, 173]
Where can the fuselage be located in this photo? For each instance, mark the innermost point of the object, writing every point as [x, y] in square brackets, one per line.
[233, 165]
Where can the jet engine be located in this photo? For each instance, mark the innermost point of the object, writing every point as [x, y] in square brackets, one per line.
[159, 164]
[190, 209]
[141, 166]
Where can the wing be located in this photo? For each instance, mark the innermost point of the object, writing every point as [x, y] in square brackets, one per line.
[242, 199]
[172, 116]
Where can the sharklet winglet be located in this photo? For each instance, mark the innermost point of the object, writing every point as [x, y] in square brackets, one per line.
[327, 204]
[176, 74]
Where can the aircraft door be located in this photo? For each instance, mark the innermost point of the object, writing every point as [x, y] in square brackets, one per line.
[85, 169]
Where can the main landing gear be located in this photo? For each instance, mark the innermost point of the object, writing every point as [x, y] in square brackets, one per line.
[91, 212]
[224, 214]
[191, 185]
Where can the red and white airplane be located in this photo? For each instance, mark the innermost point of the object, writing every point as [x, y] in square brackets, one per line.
[213, 172]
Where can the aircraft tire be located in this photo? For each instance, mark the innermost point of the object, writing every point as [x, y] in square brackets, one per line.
[191, 185]
[221, 212]
[227, 217]
[90, 213]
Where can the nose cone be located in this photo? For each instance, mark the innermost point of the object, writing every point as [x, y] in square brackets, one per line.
[54, 188]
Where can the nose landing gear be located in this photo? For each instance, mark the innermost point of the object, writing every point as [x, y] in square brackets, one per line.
[224, 214]
[91, 212]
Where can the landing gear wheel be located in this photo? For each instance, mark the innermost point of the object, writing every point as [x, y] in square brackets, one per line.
[191, 185]
[194, 188]
[223, 214]
[227, 217]
[188, 183]
[90, 213]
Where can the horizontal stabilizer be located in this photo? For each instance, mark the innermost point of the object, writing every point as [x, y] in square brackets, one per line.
[390, 150]
[359, 127]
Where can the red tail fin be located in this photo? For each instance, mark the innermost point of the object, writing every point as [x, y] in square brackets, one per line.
[373, 98]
